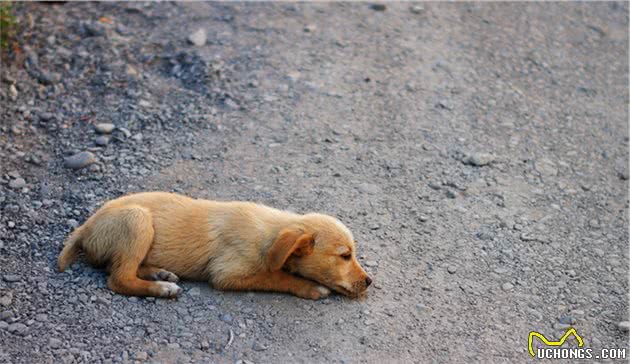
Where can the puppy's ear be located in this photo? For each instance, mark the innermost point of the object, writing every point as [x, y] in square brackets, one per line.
[289, 242]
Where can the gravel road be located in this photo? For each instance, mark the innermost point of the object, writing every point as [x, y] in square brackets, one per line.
[478, 151]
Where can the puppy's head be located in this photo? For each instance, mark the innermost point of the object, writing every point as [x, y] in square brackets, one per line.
[322, 249]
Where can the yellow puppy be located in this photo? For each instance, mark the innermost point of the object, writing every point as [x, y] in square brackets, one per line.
[148, 240]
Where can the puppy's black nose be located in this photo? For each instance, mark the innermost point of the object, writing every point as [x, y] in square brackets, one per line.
[368, 281]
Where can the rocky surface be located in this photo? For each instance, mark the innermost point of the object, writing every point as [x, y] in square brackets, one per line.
[479, 153]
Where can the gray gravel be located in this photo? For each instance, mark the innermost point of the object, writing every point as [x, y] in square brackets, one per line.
[478, 151]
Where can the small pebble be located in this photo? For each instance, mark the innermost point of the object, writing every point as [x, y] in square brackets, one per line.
[417, 9]
[17, 183]
[11, 278]
[226, 317]
[17, 328]
[371, 263]
[46, 117]
[41, 317]
[507, 286]
[80, 160]
[198, 38]
[624, 326]
[125, 131]
[478, 159]
[485, 235]
[101, 140]
[141, 355]
[54, 343]
[259, 347]
[102, 300]
[370, 189]
[13, 92]
[310, 28]
[546, 167]
[104, 128]
[444, 104]
[6, 299]
[378, 7]
[131, 71]
[294, 76]
[204, 345]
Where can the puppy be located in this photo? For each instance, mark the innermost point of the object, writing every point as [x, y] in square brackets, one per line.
[147, 241]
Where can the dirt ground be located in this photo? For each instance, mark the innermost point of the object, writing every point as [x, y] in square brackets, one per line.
[478, 152]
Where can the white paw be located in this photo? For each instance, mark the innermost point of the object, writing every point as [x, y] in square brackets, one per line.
[323, 291]
[168, 289]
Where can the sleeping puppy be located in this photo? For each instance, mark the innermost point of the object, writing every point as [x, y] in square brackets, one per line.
[147, 241]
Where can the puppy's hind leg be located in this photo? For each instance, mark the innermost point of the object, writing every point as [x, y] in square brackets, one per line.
[132, 227]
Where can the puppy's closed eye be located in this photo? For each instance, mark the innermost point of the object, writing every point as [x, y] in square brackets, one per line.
[346, 256]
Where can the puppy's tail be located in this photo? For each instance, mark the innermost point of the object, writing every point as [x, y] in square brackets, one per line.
[71, 249]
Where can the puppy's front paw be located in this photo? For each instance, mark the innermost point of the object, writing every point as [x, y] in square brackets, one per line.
[168, 289]
[315, 292]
